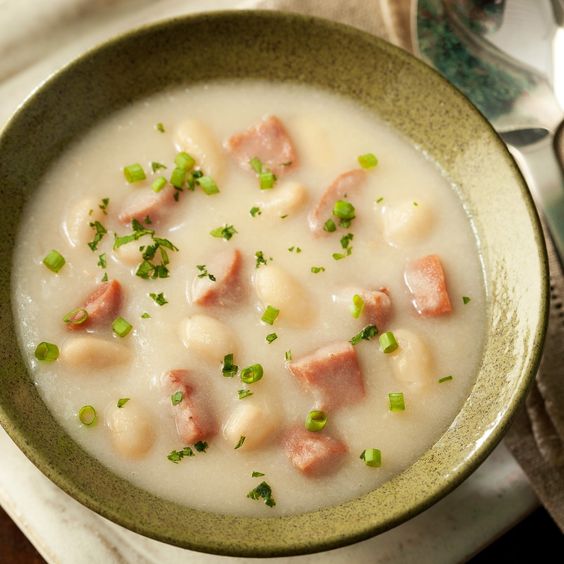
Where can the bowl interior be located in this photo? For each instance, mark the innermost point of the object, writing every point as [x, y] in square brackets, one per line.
[406, 94]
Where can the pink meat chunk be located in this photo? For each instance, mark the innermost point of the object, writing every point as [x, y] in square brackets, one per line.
[377, 307]
[147, 203]
[102, 306]
[268, 141]
[425, 279]
[313, 453]
[332, 373]
[192, 415]
[225, 267]
[345, 184]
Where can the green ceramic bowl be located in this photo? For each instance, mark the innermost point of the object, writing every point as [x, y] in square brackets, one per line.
[413, 99]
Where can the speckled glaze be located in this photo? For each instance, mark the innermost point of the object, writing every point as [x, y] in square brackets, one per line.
[414, 100]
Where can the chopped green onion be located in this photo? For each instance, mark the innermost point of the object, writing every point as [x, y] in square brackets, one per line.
[134, 173]
[465, 300]
[446, 379]
[157, 166]
[296, 249]
[160, 127]
[415, 204]
[229, 369]
[122, 401]
[339, 256]
[145, 315]
[372, 457]
[369, 332]
[102, 261]
[159, 299]
[256, 164]
[346, 239]
[208, 185]
[178, 177]
[270, 314]
[252, 374]
[267, 180]
[368, 160]
[271, 337]
[329, 226]
[357, 306]
[240, 442]
[158, 184]
[54, 261]
[380, 200]
[176, 398]
[388, 342]
[397, 402]
[204, 272]
[226, 232]
[256, 474]
[105, 277]
[315, 420]
[100, 231]
[264, 491]
[317, 269]
[288, 356]
[255, 211]
[104, 205]
[87, 415]
[121, 327]
[76, 317]
[261, 258]
[242, 394]
[184, 160]
[46, 352]
[177, 455]
[343, 210]
[201, 446]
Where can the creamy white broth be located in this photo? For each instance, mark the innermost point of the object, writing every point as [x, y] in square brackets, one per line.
[329, 133]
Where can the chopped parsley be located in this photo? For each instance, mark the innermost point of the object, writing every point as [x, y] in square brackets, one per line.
[201, 446]
[204, 272]
[159, 299]
[346, 240]
[242, 394]
[122, 401]
[465, 300]
[261, 258]
[256, 474]
[104, 205]
[155, 166]
[329, 226]
[224, 232]
[240, 442]
[105, 277]
[264, 491]
[102, 260]
[99, 232]
[271, 337]
[293, 249]
[446, 379]
[145, 316]
[255, 211]
[160, 127]
[380, 200]
[317, 269]
[229, 369]
[177, 455]
[415, 204]
[369, 332]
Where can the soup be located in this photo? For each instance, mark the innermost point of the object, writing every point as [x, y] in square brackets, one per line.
[249, 298]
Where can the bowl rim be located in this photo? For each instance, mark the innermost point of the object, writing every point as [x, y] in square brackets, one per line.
[333, 540]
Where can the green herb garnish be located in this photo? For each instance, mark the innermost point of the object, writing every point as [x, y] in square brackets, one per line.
[270, 314]
[159, 299]
[369, 332]
[157, 166]
[160, 127]
[242, 394]
[240, 442]
[372, 457]
[315, 421]
[134, 173]
[317, 269]
[121, 327]
[446, 379]
[255, 211]
[201, 446]
[329, 226]
[225, 232]
[54, 261]
[271, 337]
[264, 491]
[204, 272]
[367, 160]
[176, 398]
[465, 300]
[229, 369]
[87, 415]
[104, 205]
[102, 260]
[177, 455]
[252, 374]
[122, 401]
[357, 306]
[46, 352]
[99, 232]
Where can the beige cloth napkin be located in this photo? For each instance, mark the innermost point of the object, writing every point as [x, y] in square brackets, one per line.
[536, 438]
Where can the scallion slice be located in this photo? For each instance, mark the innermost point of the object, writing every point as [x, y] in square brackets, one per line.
[256, 474]
[367, 160]
[357, 306]
[267, 180]
[158, 184]
[225, 232]
[369, 332]
[315, 420]
[344, 210]
[252, 374]
[229, 369]
[329, 226]
[388, 342]
[54, 261]
[317, 269]
[176, 398]
[184, 160]
[397, 402]
[134, 173]
[46, 352]
[242, 394]
[87, 415]
[76, 317]
[271, 337]
[255, 211]
[465, 300]
[122, 401]
[270, 314]
[121, 327]
[256, 164]
[240, 442]
[208, 185]
[372, 457]
[160, 127]
[178, 177]
[446, 379]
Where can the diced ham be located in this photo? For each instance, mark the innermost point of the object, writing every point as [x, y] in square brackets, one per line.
[147, 203]
[344, 185]
[332, 373]
[268, 141]
[225, 267]
[102, 306]
[313, 453]
[377, 307]
[425, 279]
[193, 417]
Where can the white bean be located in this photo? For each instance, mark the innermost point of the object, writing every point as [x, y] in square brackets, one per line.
[131, 429]
[128, 254]
[411, 361]
[93, 352]
[285, 199]
[207, 337]
[256, 423]
[197, 140]
[313, 142]
[79, 216]
[275, 287]
[407, 222]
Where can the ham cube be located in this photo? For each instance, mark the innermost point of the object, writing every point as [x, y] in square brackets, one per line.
[344, 185]
[377, 307]
[425, 279]
[147, 203]
[269, 142]
[225, 268]
[192, 414]
[332, 373]
[311, 453]
[102, 306]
